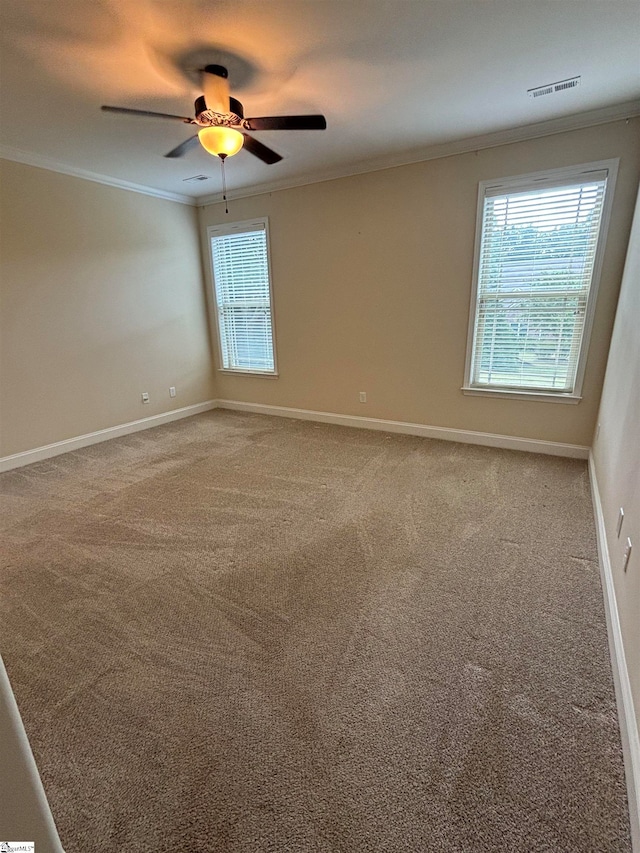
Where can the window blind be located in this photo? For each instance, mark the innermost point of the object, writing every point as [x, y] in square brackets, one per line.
[243, 299]
[537, 254]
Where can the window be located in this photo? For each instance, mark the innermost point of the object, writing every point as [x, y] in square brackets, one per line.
[538, 252]
[240, 263]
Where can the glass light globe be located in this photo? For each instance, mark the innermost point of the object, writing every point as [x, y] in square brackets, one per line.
[220, 140]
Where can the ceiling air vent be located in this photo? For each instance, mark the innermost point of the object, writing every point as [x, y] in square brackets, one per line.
[551, 88]
[195, 179]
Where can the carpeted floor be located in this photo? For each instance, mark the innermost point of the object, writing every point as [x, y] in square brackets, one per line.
[242, 633]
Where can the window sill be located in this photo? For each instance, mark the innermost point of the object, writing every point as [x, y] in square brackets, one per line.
[263, 373]
[511, 394]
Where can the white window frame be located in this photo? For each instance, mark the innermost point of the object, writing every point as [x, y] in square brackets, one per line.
[222, 230]
[535, 180]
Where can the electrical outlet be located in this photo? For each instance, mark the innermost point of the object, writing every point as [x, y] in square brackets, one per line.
[626, 555]
[363, 396]
[172, 391]
[145, 397]
[620, 520]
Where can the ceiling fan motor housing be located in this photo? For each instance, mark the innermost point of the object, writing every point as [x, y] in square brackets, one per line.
[210, 118]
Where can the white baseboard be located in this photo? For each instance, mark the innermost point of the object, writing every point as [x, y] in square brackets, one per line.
[465, 436]
[487, 439]
[626, 714]
[17, 460]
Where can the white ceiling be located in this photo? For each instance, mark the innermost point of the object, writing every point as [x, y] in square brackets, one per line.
[396, 79]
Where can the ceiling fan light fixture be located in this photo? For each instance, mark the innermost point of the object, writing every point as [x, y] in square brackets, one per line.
[219, 141]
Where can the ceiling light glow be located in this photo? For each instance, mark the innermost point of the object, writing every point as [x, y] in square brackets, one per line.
[220, 141]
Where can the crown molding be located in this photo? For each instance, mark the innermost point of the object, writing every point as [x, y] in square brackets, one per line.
[39, 161]
[577, 121]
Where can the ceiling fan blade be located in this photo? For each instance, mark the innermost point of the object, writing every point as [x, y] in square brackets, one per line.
[287, 123]
[259, 150]
[127, 111]
[181, 150]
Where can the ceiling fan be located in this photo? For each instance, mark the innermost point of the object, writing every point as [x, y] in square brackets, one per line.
[223, 127]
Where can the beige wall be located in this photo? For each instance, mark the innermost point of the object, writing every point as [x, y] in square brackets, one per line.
[616, 455]
[372, 278]
[101, 299]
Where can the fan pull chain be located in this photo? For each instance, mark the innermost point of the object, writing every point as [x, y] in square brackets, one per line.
[223, 157]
